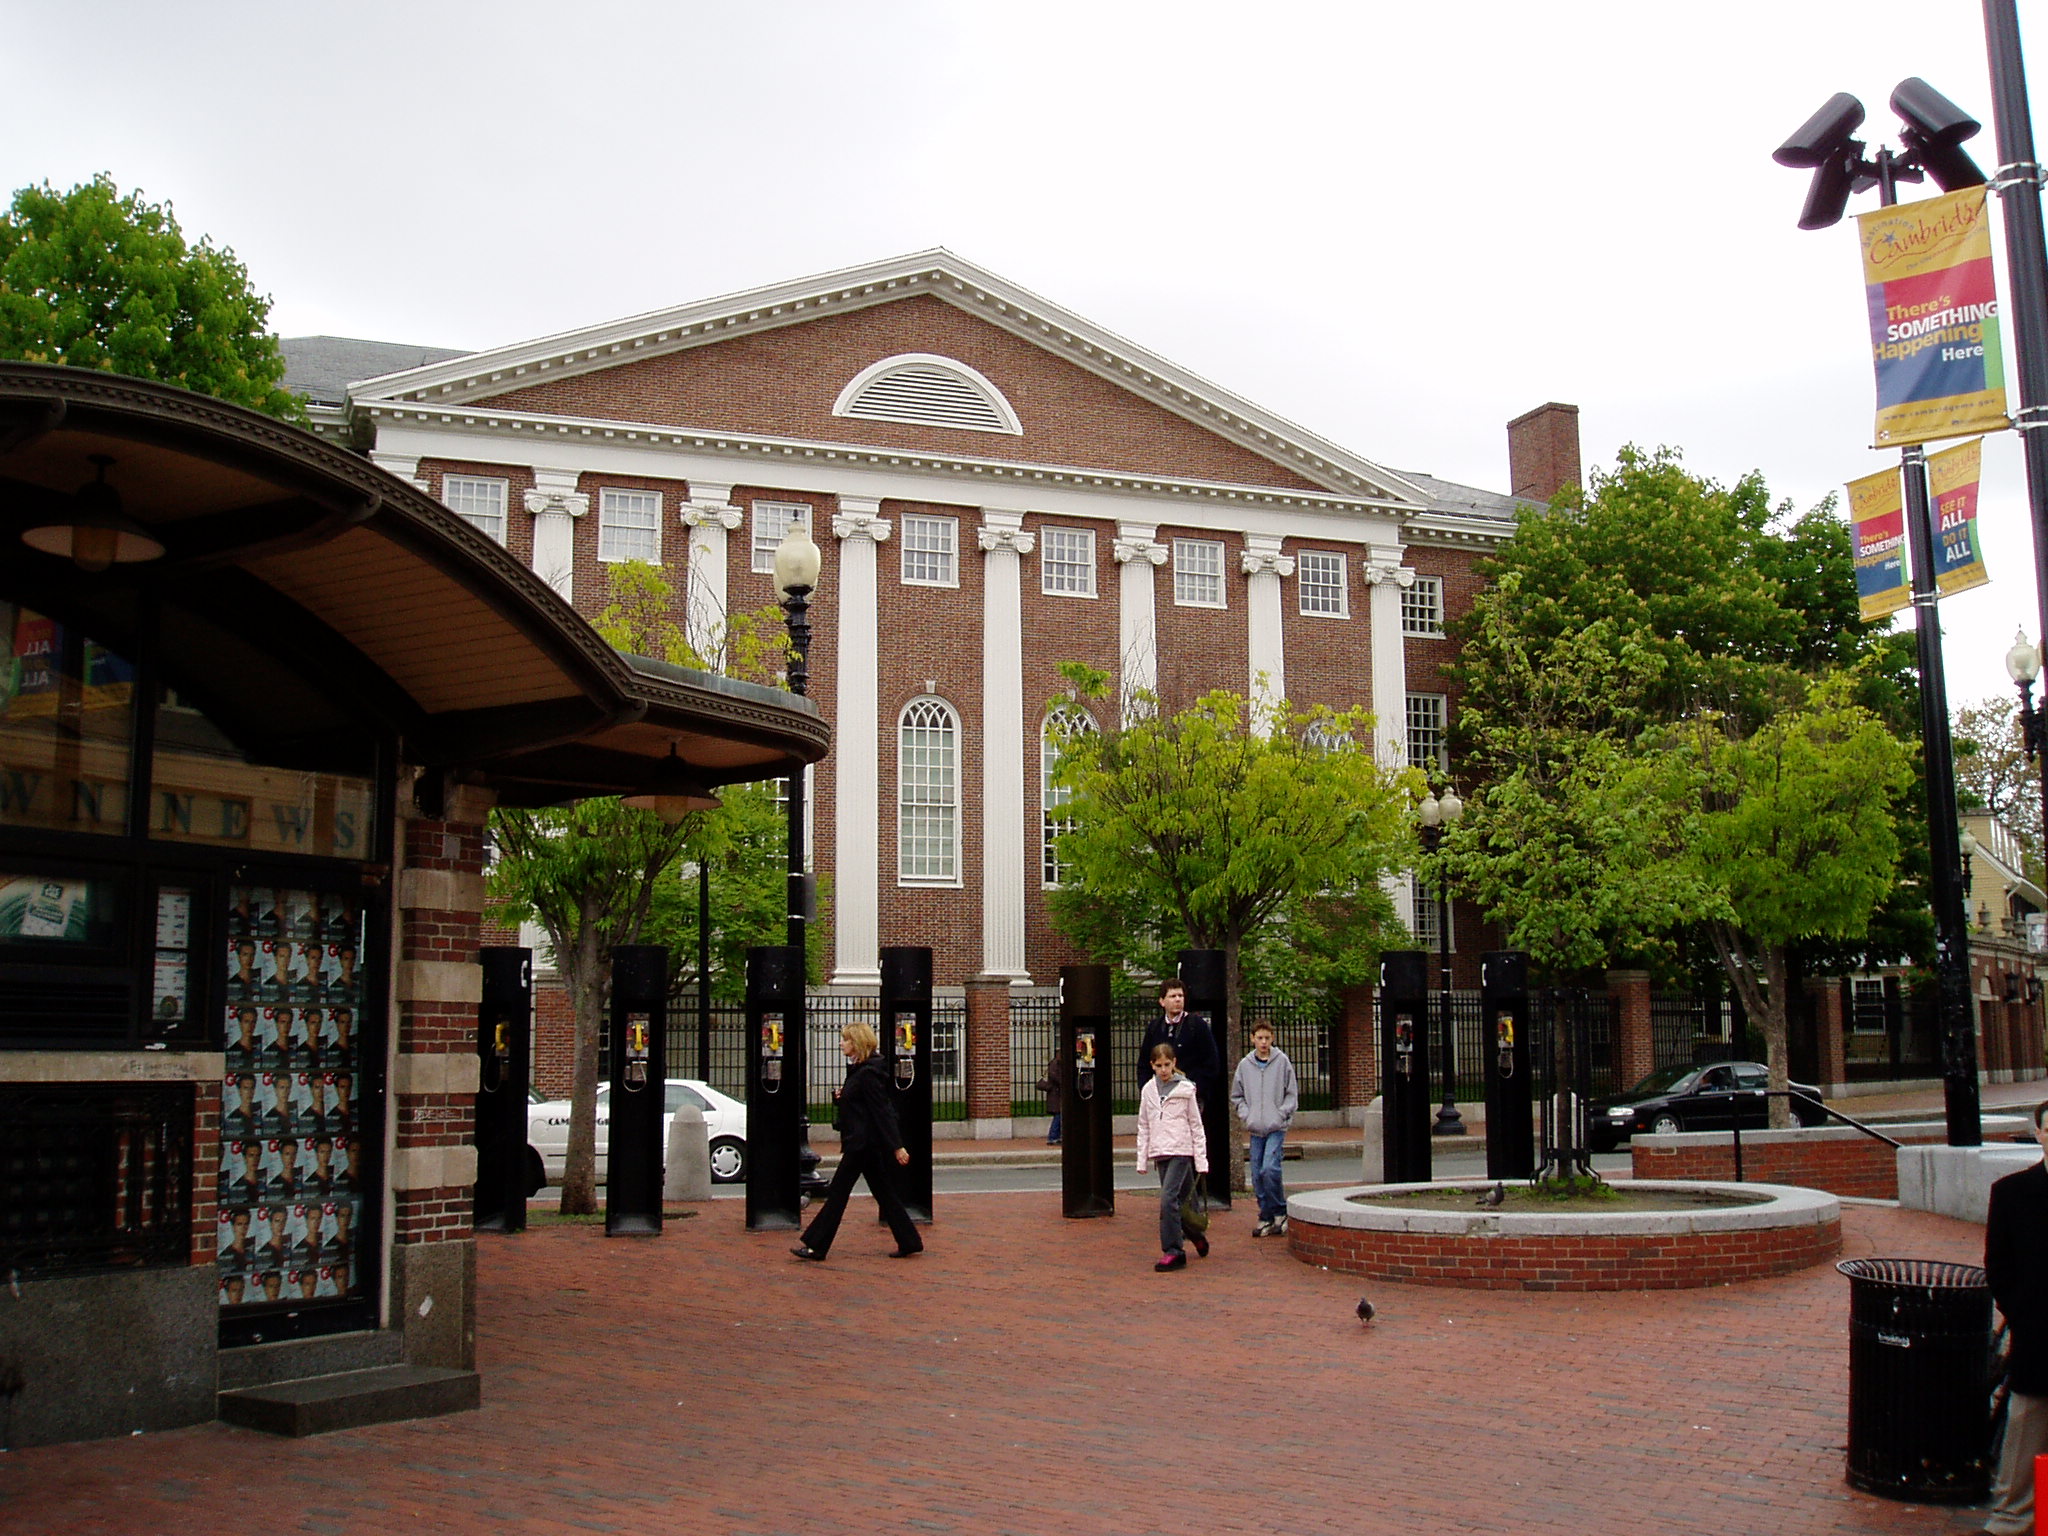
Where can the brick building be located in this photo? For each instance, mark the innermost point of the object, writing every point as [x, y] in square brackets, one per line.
[998, 485]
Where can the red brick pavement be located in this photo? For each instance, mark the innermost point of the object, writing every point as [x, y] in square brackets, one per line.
[1030, 1376]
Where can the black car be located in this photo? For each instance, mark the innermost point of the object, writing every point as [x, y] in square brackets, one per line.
[1710, 1098]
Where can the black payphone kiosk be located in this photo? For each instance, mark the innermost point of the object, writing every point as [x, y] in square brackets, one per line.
[1087, 1156]
[1404, 1066]
[1202, 973]
[906, 1009]
[504, 1049]
[635, 1106]
[1510, 1102]
[775, 1087]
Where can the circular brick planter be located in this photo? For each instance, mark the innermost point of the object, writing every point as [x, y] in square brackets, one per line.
[1488, 1250]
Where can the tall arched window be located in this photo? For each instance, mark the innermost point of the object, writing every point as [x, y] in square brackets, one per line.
[928, 794]
[1060, 723]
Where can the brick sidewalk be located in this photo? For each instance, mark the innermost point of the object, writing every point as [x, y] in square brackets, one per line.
[1030, 1375]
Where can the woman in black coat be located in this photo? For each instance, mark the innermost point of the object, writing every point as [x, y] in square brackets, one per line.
[870, 1147]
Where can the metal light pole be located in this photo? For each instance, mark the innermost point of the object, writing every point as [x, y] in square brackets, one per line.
[1934, 131]
[2023, 665]
[796, 576]
[1437, 817]
[2018, 185]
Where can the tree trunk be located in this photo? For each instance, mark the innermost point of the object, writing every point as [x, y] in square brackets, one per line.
[1232, 1047]
[588, 986]
[1765, 1001]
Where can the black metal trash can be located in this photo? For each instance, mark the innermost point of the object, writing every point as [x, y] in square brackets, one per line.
[1919, 1379]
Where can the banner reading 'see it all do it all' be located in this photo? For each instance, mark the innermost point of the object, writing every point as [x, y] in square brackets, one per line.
[1933, 319]
[1877, 520]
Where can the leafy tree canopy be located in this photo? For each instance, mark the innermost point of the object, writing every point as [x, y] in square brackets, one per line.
[98, 278]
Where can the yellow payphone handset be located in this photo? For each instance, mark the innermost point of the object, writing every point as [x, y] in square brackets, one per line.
[1404, 1044]
[1084, 1063]
[906, 1052]
[500, 1059]
[636, 1052]
[1504, 1042]
[771, 1054]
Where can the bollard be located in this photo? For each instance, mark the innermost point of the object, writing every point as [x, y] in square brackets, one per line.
[686, 1175]
[1406, 1109]
[906, 1009]
[1087, 1154]
[504, 1048]
[1510, 1101]
[1203, 973]
[639, 1030]
[776, 1085]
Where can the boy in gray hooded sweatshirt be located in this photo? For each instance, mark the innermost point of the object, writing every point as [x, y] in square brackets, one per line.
[1264, 1096]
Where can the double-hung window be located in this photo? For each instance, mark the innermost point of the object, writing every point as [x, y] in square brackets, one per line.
[1422, 608]
[477, 500]
[928, 794]
[1320, 576]
[773, 519]
[1066, 561]
[629, 525]
[1198, 573]
[1428, 715]
[931, 551]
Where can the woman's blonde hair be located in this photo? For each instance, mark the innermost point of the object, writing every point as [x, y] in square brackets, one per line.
[862, 1038]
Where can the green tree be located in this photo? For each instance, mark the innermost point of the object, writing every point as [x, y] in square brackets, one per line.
[1665, 673]
[98, 278]
[1260, 830]
[600, 874]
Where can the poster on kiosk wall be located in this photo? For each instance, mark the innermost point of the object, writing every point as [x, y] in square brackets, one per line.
[1933, 303]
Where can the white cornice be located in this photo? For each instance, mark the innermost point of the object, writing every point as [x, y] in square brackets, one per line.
[937, 272]
[547, 435]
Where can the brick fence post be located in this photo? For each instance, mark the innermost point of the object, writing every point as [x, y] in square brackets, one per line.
[1635, 1056]
[1356, 1069]
[1830, 1031]
[988, 1057]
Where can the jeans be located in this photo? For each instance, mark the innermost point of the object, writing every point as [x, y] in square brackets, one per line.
[1176, 1180]
[1265, 1172]
[1052, 1136]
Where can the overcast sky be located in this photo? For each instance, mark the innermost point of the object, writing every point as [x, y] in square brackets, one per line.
[1397, 224]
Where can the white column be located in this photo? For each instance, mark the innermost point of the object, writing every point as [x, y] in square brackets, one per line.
[1388, 578]
[856, 750]
[1138, 555]
[1263, 566]
[1002, 744]
[555, 504]
[709, 517]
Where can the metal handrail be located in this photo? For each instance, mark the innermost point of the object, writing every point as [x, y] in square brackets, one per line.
[1787, 1093]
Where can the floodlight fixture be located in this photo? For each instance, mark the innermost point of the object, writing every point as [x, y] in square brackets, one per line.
[1934, 134]
[1826, 144]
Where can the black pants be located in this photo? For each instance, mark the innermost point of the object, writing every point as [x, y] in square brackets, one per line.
[879, 1169]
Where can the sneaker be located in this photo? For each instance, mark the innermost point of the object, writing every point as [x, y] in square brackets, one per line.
[1201, 1244]
[1280, 1225]
[1263, 1229]
[1169, 1261]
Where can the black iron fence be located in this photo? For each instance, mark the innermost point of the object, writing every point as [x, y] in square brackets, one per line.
[94, 1177]
[719, 1057]
[1306, 1031]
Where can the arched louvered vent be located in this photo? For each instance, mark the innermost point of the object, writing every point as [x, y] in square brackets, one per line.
[927, 391]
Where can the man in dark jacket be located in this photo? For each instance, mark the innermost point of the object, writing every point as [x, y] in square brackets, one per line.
[870, 1146]
[2016, 1260]
[1193, 1042]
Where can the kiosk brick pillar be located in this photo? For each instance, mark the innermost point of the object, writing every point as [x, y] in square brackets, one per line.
[1357, 1065]
[1628, 999]
[988, 1056]
[1830, 1028]
[434, 1077]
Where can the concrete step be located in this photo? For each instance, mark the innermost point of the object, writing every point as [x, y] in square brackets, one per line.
[319, 1405]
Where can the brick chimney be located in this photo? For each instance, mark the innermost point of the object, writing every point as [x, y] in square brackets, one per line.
[1543, 451]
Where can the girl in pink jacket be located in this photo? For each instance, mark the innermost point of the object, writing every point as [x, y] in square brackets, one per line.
[1170, 1133]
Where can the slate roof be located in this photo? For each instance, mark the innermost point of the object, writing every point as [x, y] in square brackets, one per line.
[323, 367]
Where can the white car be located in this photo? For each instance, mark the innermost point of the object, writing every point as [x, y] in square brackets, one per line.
[725, 1124]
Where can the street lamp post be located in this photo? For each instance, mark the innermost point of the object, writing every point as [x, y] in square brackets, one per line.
[796, 577]
[1931, 146]
[2023, 665]
[1438, 816]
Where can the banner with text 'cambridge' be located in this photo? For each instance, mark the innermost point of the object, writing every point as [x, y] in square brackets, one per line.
[1952, 477]
[1877, 522]
[1933, 319]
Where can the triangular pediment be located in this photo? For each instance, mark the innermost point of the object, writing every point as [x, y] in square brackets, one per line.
[774, 362]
